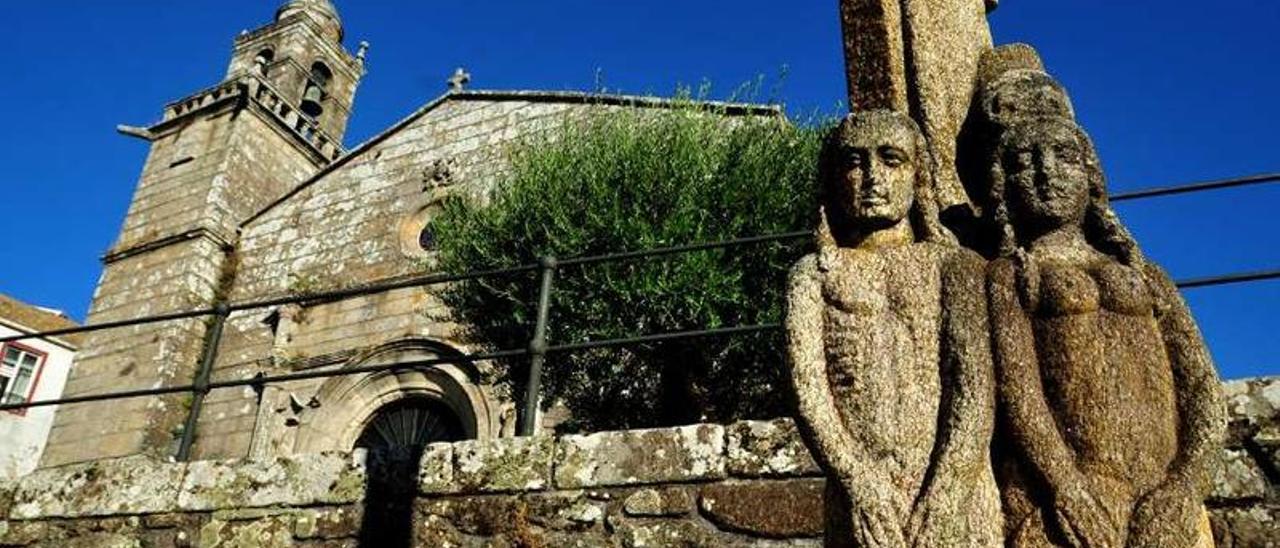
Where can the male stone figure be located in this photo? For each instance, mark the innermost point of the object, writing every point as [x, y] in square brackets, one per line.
[1109, 395]
[888, 348]
[919, 57]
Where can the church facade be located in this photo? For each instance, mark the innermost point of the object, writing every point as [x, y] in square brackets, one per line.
[248, 194]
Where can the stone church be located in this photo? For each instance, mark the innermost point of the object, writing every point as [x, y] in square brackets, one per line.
[249, 194]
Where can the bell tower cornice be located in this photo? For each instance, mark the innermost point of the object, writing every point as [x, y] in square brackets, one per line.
[300, 56]
[249, 91]
[321, 12]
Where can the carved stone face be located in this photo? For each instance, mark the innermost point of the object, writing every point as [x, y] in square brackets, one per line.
[879, 163]
[1047, 178]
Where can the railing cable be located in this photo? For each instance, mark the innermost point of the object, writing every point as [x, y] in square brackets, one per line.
[1196, 187]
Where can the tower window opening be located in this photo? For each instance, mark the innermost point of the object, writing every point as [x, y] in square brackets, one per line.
[313, 97]
[263, 60]
[321, 75]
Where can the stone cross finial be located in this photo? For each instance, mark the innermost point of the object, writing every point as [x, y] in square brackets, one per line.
[920, 58]
[459, 80]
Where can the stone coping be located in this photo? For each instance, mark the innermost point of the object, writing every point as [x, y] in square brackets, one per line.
[697, 454]
[141, 486]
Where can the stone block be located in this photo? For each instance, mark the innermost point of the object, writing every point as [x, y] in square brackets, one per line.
[661, 533]
[1254, 527]
[1255, 400]
[775, 509]
[508, 464]
[1238, 477]
[508, 515]
[435, 472]
[129, 486]
[302, 480]
[582, 512]
[272, 532]
[658, 502]
[6, 498]
[328, 523]
[768, 449]
[22, 533]
[637, 457]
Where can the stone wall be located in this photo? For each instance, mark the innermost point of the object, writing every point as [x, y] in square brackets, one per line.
[745, 484]
[1245, 503]
[208, 170]
[357, 223]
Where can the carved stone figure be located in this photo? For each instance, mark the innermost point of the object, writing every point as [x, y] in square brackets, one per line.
[919, 57]
[1109, 395]
[889, 351]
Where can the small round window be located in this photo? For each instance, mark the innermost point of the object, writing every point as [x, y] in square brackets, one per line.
[418, 238]
[427, 238]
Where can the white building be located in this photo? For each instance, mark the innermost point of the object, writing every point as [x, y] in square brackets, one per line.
[30, 370]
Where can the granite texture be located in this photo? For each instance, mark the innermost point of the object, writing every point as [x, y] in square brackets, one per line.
[886, 328]
[919, 57]
[634, 457]
[292, 502]
[1112, 403]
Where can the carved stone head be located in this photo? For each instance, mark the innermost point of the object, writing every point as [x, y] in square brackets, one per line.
[1025, 93]
[1046, 175]
[876, 172]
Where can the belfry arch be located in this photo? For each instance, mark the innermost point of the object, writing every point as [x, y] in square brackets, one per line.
[347, 404]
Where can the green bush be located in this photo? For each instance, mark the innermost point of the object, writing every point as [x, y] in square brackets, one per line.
[632, 179]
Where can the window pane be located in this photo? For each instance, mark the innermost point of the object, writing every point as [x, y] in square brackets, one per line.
[11, 356]
[29, 361]
[20, 383]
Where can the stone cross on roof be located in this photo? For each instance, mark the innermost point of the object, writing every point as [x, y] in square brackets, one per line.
[459, 80]
[918, 57]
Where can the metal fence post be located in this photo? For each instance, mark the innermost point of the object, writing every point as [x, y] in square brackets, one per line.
[538, 348]
[201, 387]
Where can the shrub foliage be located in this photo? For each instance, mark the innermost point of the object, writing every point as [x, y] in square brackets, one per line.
[634, 179]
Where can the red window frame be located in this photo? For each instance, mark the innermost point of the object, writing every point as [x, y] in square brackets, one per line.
[41, 358]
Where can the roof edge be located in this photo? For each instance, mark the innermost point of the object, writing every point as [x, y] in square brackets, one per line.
[537, 96]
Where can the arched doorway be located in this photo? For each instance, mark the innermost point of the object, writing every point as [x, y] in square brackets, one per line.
[349, 405]
[410, 424]
[394, 438]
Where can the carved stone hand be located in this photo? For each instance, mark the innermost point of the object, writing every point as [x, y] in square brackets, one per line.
[877, 522]
[1163, 517]
[927, 515]
[1083, 519]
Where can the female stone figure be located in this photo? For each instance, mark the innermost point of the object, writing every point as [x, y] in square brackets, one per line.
[888, 349]
[1108, 393]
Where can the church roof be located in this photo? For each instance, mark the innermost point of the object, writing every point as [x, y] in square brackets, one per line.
[536, 96]
[27, 318]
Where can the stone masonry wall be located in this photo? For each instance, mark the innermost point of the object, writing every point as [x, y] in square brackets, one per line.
[177, 277]
[1245, 503]
[745, 484]
[201, 179]
[355, 225]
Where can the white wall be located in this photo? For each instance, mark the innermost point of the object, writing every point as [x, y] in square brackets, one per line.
[23, 436]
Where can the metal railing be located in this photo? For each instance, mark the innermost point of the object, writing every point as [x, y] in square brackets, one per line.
[536, 351]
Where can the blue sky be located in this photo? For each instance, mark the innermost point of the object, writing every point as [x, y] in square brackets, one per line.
[1172, 91]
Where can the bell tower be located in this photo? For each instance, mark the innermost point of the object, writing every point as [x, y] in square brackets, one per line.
[217, 157]
[301, 56]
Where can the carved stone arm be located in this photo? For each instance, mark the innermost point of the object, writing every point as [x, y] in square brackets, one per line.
[818, 418]
[1202, 414]
[968, 377]
[1031, 423]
